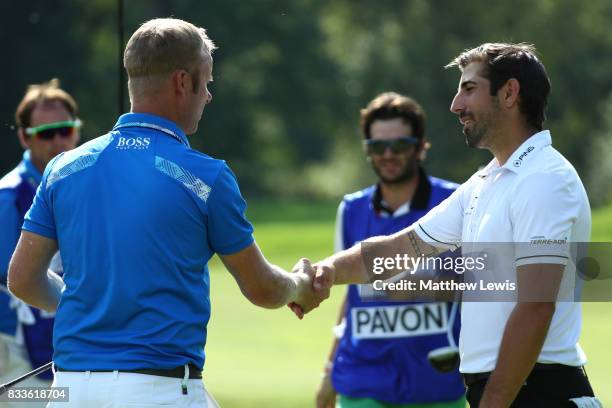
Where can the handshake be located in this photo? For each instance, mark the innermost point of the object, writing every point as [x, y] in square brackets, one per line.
[313, 284]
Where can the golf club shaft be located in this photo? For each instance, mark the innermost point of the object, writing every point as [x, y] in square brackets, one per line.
[5, 387]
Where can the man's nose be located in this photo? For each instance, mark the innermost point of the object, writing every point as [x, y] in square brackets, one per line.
[457, 105]
[388, 153]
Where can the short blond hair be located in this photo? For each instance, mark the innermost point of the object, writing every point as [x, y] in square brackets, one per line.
[161, 46]
[46, 93]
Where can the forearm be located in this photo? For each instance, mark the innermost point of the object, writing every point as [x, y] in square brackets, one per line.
[334, 347]
[353, 265]
[278, 288]
[263, 283]
[283, 288]
[521, 344]
[28, 276]
[348, 266]
[43, 292]
[326, 394]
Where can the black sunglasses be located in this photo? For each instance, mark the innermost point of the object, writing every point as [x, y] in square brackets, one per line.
[398, 145]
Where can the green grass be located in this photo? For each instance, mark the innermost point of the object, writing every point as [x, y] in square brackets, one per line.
[602, 225]
[268, 358]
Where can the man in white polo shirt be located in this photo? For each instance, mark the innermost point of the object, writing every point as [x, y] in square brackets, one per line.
[519, 353]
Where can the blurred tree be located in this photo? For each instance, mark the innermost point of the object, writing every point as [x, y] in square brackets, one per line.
[290, 78]
[599, 166]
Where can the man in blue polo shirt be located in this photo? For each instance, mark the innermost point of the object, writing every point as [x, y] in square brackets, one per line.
[137, 214]
[372, 364]
[47, 125]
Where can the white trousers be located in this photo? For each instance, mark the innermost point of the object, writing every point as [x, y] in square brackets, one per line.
[14, 363]
[117, 389]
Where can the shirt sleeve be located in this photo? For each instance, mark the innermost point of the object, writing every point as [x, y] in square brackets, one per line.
[229, 231]
[10, 225]
[544, 209]
[442, 226]
[39, 219]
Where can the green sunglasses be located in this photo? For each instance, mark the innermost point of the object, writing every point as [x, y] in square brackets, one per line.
[64, 129]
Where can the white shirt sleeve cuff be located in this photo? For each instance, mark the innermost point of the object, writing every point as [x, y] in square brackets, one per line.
[542, 259]
[431, 240]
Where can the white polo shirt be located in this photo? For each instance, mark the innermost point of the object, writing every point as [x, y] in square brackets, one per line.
[536, 195]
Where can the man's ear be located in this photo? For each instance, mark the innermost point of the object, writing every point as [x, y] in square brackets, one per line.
[509, 93]
[180, 81]
[423, 148]
[365, 152]
[24, 141]
[77, 138]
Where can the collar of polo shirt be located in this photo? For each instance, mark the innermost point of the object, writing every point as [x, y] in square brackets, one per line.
[520, 156]
[419, 201]
[148, 120]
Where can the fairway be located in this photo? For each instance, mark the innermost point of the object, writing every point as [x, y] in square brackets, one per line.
[263, 358]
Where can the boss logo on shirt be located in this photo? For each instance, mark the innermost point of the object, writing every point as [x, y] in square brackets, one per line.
[140, 143]
[399, 321]
[519, 161]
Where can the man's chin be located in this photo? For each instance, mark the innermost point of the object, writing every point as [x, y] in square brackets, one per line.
[471, 141]
[400, 176]
[192, 130]
[389, 178]
[395, 179]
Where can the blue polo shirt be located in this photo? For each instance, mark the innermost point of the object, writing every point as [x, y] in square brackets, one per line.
[16, 191]
[137, 215]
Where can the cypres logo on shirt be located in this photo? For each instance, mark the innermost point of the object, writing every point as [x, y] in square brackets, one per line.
[139, 143]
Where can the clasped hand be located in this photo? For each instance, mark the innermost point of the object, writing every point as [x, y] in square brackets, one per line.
[313, 286]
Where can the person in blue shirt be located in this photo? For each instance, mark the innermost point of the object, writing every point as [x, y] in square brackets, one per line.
[137, 215]
[47, 125]
[373, 364]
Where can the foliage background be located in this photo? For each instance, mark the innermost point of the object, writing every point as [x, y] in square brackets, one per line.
[290, 77]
